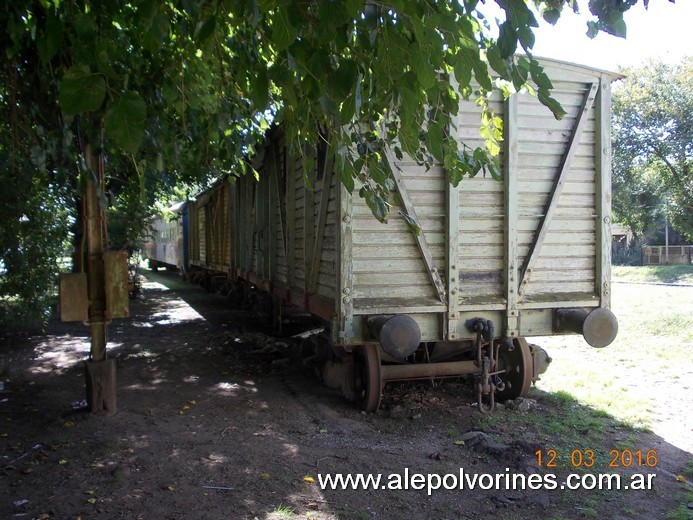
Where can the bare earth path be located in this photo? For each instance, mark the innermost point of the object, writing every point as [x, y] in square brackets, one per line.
[217, 419]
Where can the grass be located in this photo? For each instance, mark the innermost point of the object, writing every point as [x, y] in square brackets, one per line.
[678, 274]
[636, 383]
[652, 350]
[282, 511]
[682, 512]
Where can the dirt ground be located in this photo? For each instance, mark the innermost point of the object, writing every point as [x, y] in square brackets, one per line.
[218, 419]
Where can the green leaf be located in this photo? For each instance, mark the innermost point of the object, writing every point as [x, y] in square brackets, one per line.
[539, 76]
[411, 223]
[422, 66]
[618, 28]
[347, 171]
[376, 204]
[283, 32]
[527, 37]
[156, 33]
[551, 15]
[519, 77]
[409, 139]
[260, 89]
[494, 169]
[103, 62]
[344, 79]
[551, 103]
[346, 111]
[507, 40]
[85, 26]
[331, 15]
[51, 40]
[497, 62]
[353, 7]
[463, 65]
[207, 29]
[482, 76]
[409, 105]
[81, 91]
[434, 140]
[124, 121]
[376, 170]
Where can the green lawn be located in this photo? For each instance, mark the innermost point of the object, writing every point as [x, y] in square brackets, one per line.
[679, 274]
[641, 373]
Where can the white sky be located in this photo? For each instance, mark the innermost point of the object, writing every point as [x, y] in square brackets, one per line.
[662, 31]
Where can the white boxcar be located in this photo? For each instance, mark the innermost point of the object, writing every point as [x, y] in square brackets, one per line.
[495, 261]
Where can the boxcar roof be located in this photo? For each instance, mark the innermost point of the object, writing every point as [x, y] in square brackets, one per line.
[577, 67]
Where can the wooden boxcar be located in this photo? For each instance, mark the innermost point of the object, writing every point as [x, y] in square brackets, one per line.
[209, 233]
[495, 262]
[164, 244]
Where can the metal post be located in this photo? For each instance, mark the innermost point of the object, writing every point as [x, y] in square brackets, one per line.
[666, 240]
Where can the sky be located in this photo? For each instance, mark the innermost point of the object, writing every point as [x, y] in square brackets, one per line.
[662, 31]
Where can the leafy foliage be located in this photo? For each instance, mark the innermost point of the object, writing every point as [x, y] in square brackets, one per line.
[173, 93]
[653, 147]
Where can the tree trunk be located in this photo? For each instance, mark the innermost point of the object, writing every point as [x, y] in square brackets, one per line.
[100, 372]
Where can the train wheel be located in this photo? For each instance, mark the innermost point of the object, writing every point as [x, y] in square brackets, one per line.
[367, 380]
[517, 362]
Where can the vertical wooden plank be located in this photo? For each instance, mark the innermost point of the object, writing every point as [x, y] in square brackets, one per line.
[309, 221]
[328, 172]
[344, 294]
[453, 261]
[233, 227]
[252, 235]
[225, 225]
[511, 214]
[290, 165]
[273, 199]
[603, 192]
[267, 221]
[243, 228]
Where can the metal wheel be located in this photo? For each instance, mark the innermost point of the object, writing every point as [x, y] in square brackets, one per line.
[368, 383]
[517, 362]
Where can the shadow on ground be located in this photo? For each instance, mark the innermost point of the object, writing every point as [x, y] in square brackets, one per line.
[217, 419]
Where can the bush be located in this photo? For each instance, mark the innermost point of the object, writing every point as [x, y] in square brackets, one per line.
[626, 255]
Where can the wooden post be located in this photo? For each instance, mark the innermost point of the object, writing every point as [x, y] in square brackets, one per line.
[99, 371]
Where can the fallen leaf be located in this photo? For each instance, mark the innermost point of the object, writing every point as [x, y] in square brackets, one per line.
[265, 475]
[89, 492]
[4, 434]
[92, 501]
[62, 462]
[185, 407]
[323, 430]
[459, 443]
[192, 401]
[169, 488]
[681, 479]
[310, 480]
[69, 424]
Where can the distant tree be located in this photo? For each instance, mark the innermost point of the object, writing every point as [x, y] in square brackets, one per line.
[653, 147]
